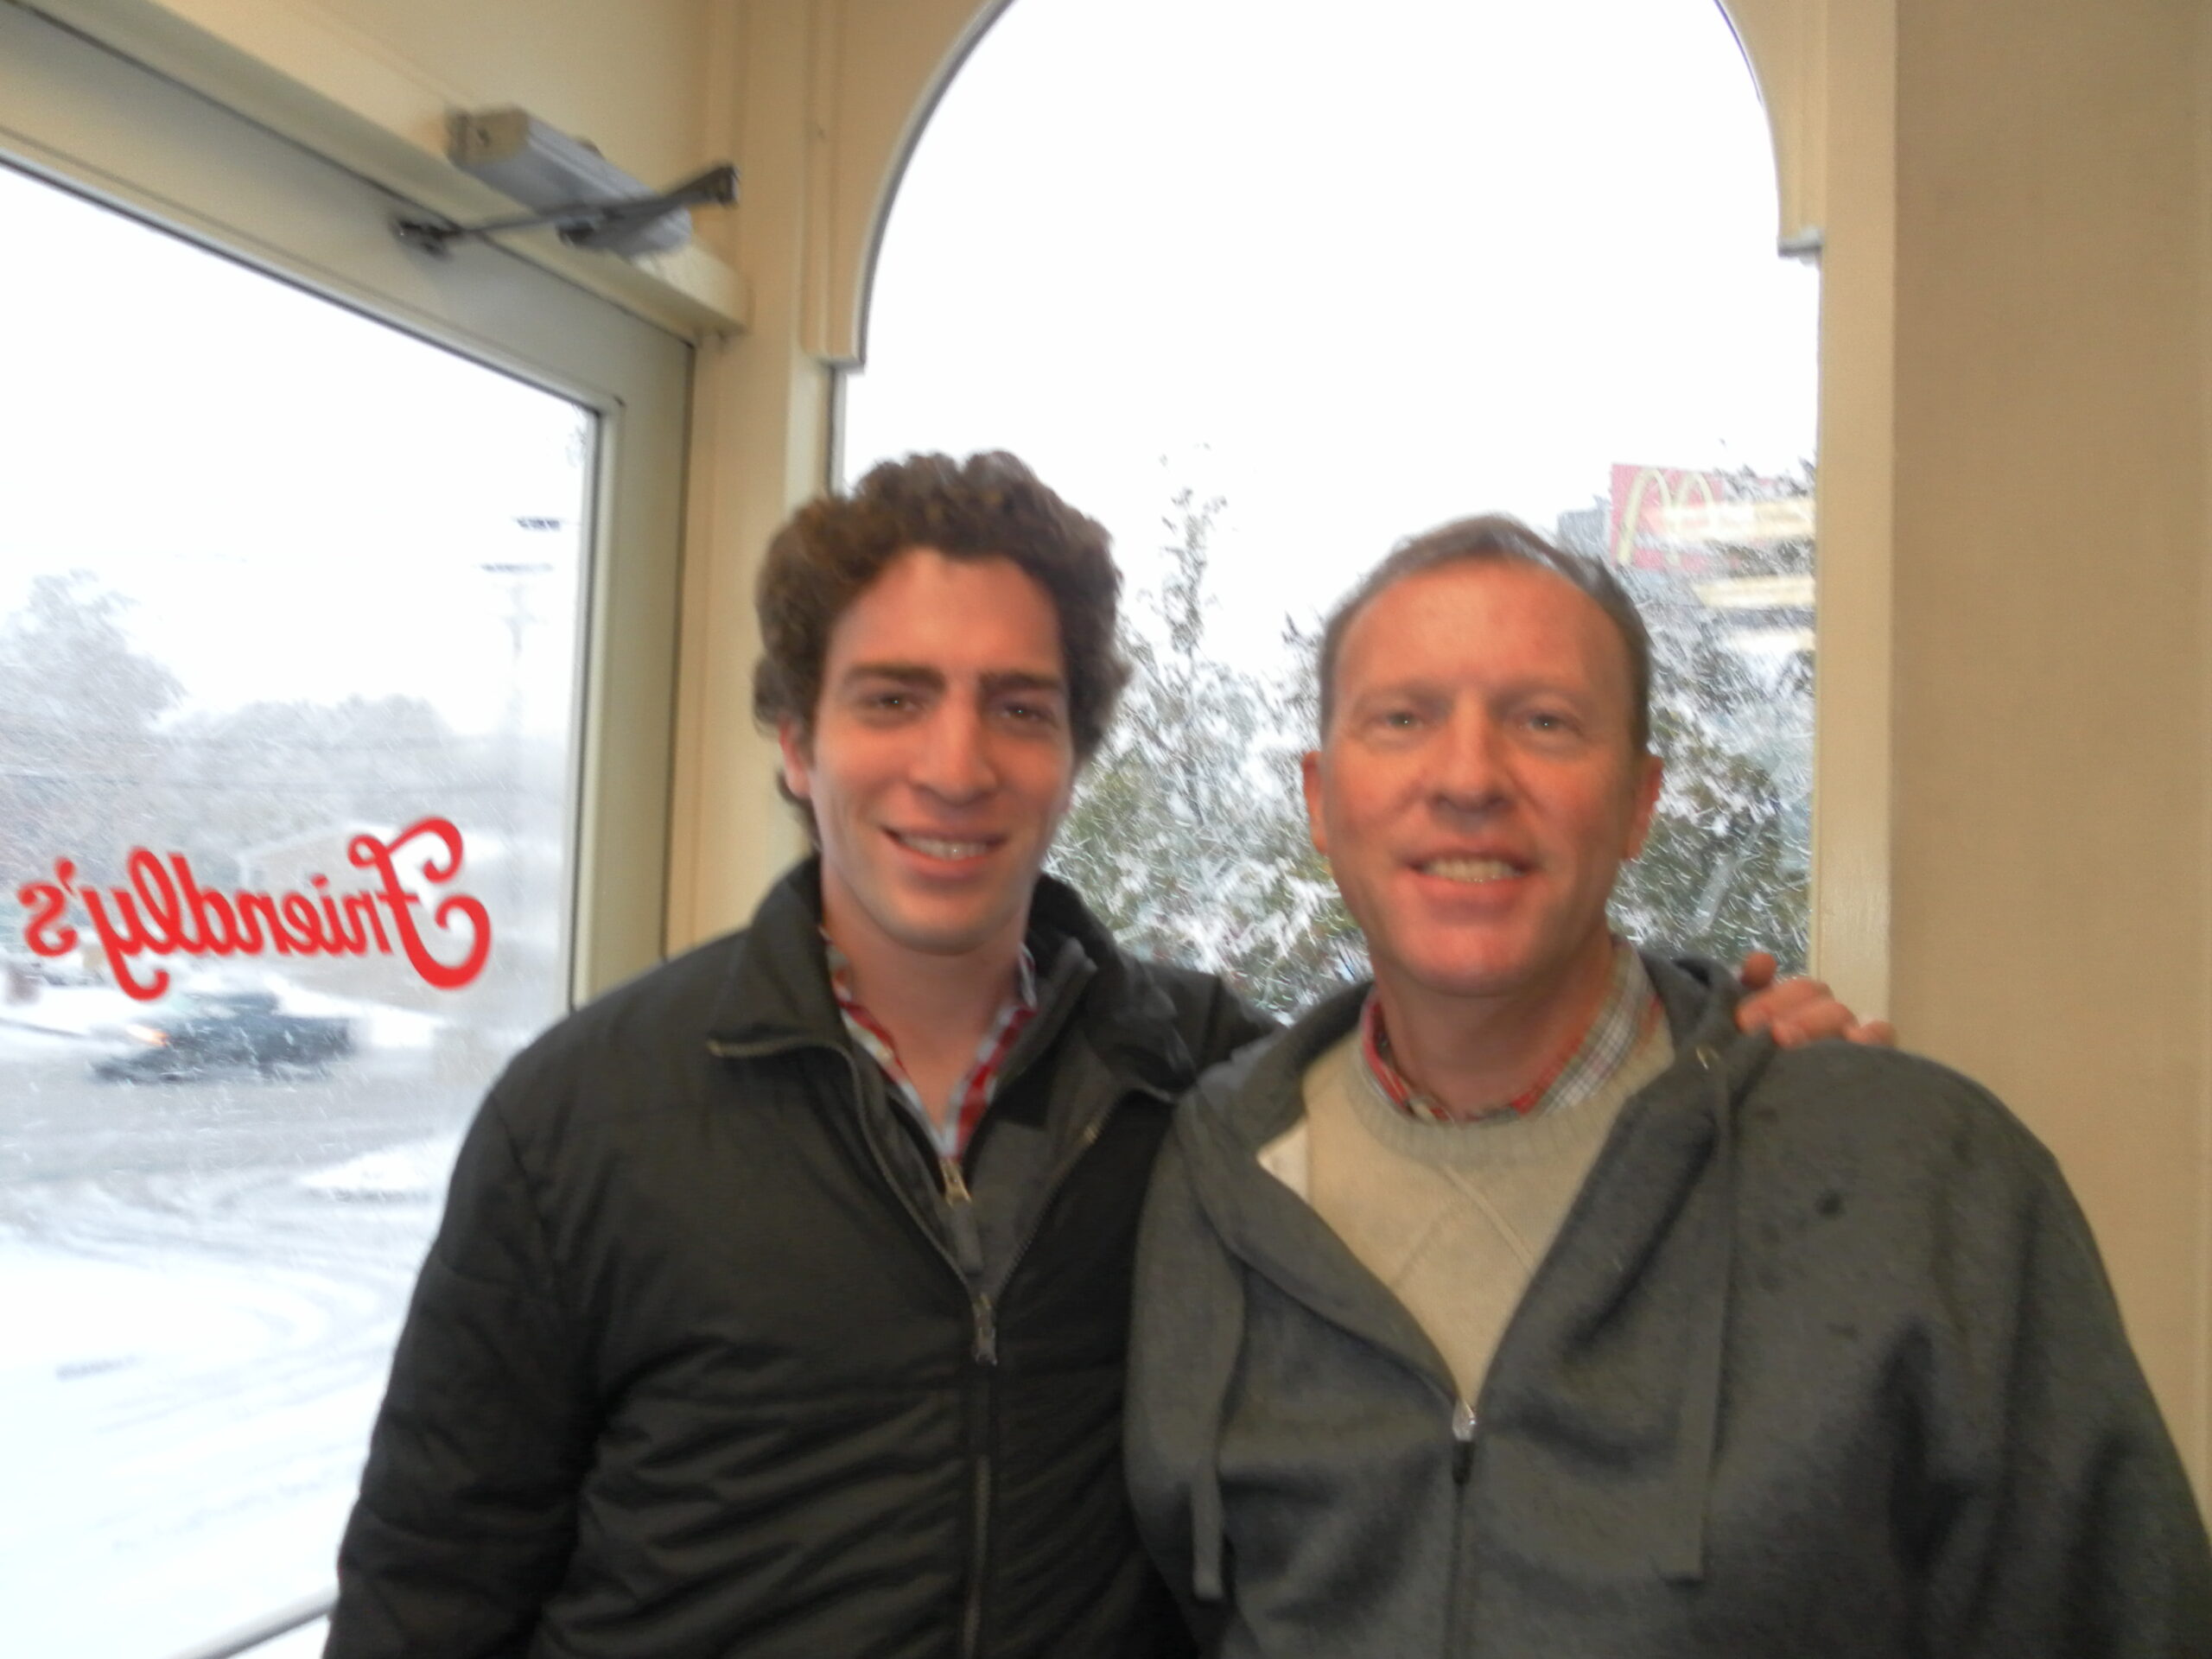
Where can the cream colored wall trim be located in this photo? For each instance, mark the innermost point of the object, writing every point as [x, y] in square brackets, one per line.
[1828, 77]
[2051, 815]
[759, 446]
[2196, 1432]
[883, 65]
[304, 74]
[1785, 43]
[1855, 691]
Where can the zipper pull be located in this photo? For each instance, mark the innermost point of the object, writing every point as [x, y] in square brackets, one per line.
[987, 1332]
[1463, 1442]
[967, 1238]
[956, 1184]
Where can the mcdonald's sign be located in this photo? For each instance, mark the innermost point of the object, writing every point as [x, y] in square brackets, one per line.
[1670, 518]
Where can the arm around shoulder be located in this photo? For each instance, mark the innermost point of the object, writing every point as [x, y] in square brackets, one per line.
[1213, 1021]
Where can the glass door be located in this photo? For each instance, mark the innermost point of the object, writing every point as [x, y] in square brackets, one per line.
[330, 650]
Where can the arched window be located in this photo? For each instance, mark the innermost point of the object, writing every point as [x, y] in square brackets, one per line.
[1267, 289]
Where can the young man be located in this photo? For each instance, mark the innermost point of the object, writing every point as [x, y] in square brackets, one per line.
[1515, 1304]
[780, 1305]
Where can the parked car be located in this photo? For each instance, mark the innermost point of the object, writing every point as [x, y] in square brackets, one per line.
[226, 1031]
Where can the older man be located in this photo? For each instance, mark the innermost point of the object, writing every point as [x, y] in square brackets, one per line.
[1516, 1305]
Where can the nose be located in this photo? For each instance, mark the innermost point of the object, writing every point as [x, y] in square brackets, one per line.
[1471, 763]
[954, 761]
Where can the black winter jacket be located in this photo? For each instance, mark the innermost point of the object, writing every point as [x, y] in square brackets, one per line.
[693, 1368]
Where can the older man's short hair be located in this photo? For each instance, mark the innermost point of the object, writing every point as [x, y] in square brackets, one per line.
[1497, 537]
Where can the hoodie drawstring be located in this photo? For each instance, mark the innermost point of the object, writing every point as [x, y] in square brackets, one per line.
[1208, 1528]
[1682, 1557]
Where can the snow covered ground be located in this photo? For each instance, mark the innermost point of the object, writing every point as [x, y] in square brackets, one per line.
[306, 1643]
[189, 1430]
[188, 1446]
[419, 1169]
[200, 1285]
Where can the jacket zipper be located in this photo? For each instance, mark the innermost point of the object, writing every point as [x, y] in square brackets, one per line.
[750, 1052]
[985, 1348]
[985, 1352]
[971, 1611]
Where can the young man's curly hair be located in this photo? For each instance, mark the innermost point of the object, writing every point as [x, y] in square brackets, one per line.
[988, 506]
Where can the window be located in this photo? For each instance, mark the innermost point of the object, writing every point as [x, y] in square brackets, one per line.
[301, 743]
[1267, 289]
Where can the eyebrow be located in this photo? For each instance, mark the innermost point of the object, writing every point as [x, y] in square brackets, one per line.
[1400, 691]
[1444, 690]
[1021, 680]
[902, 673]
[924, 676]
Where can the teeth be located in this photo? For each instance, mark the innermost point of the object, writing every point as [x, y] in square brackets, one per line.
[1470, 869]
[936, 848]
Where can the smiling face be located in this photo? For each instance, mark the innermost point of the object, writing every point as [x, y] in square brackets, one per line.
[1479, 784]
[939, 764]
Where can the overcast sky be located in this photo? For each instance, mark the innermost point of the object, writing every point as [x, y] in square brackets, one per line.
[298, 501]
[1356, 272]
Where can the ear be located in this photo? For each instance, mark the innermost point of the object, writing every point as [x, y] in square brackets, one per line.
[1651, 777]
[799, 762]
[1309, 770]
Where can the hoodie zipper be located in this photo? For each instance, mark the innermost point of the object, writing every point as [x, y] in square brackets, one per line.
[1465, 1421]
[1463, 1425]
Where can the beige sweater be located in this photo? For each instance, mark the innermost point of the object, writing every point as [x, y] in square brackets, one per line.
[1452, 1218]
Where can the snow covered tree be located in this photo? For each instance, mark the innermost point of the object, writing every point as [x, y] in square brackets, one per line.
[235, 778]
[1727, 867]
[1188, 834]
[80, 704]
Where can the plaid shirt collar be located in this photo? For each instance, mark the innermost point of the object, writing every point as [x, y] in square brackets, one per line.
[972, 1095]
[1626, 1016]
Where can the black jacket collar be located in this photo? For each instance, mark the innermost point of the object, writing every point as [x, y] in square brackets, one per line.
[777, 995]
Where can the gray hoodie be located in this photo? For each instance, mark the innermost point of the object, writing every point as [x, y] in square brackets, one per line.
[1822, 1362]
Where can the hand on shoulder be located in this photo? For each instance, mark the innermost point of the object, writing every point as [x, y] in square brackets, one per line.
[1800, 1010]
